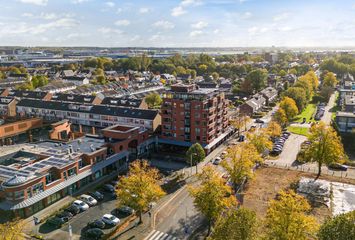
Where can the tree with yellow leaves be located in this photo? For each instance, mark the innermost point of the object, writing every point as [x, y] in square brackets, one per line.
[280, 117]
[240, 122]
[330, 80]
[260, 140]
[239, 162]
[12, 230]
[140, 187]
[325, 147]
[287, 218]
[274, 129]
[212, 195]
[237, 224]
[290, 107]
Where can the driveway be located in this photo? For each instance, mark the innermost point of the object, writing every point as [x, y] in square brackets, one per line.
[327, 117]
[290, 150]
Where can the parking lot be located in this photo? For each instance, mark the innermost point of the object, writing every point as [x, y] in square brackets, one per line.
[80, 221]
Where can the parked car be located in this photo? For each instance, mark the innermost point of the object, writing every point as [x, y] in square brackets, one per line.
[88, 200]
[110, 219]
[97, 224]
[258, 120]
[97, 195]
[217, 161]
[81, 205]
[126, 210]
[108, 188]
[241, 138]
[56, 222]
[65, 215]
[338, 166]
[73, 209]
[94, 233]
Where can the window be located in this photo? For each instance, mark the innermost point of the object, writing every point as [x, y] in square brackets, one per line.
[37, 188]
[71, 171]
[80, 163]
[29, 193]
[49, 178]
[197, 130]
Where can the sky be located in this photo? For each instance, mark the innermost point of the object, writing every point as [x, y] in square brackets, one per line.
[178, 23]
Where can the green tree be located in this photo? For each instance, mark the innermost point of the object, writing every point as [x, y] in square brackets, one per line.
[239, 162]
[290, 108]
[282, 73]
[212, 195]
[139, 188]
[237, 224]
[330, 80]
[215, 76]
[340, 227]
[292, 71]
[298, 95]
[326, 92]
[305, 83]
[153, 100]
[193, 73]
[325, 147]
[257, 79]
[280, 117]
[202, 69]
[195, 155]
[287, 218]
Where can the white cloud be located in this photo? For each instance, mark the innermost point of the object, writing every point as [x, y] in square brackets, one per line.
[135, 38]
[79, 1]
[163, 25]
[199, 25]
[246, 15]
[119, 10]
[196, 33]
[285, 29]
[186, 3]
[181, 9]
[110, 4]
[157, 38]
[216, 31]
[257, 30]
[281, 17]
[243, 1]
[178, 11]
[25, 28]
[36, 2]
[27, 15]
[144, 10]
[107, 30]
[123, 22]
[48, 16]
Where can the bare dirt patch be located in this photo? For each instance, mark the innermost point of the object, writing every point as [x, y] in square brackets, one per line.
[269, 181]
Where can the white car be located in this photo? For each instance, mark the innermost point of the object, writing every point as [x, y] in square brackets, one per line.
[81, 205]
[110, 219]
[88, 200]
[217, 161]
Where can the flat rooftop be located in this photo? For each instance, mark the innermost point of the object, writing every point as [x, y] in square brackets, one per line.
[29, 160]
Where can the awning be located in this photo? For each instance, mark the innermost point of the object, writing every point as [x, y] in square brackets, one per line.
[8, 205]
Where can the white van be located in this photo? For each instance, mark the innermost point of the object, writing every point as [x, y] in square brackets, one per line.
[88, 199]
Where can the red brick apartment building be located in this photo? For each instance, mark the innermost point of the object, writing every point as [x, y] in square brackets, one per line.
[191, 115]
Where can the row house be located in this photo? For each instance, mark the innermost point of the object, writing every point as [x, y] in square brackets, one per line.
[99, 116]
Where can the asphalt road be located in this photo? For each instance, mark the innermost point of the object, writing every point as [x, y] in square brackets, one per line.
[179, 218]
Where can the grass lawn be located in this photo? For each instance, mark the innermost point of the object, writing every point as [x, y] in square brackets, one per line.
[307, 113]
[299, 130]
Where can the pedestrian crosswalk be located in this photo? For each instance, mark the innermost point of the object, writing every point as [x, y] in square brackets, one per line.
[157, 235]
